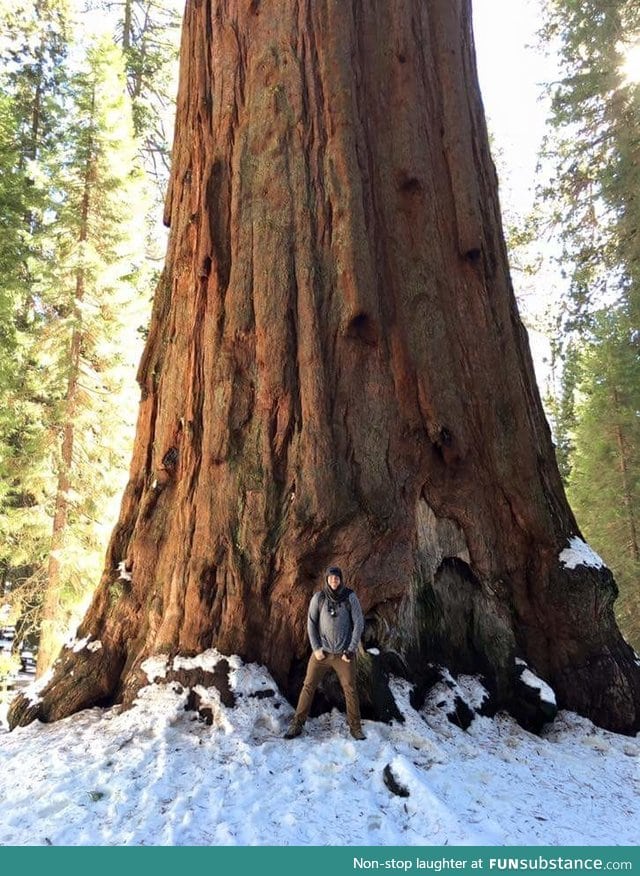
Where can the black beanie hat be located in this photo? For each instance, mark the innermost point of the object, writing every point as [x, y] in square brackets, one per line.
[334, 570]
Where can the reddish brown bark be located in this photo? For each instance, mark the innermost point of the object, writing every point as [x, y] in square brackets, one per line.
[336, 372]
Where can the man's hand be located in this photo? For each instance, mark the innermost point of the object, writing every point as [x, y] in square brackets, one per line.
[319, 654]
[347, 656]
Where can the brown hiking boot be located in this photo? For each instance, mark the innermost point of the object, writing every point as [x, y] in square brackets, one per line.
[295, 729]
[357, 733]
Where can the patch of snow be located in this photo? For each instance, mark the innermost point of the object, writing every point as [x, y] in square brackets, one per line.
[529, 678]
[155, 775]
[467, 687]
[579, 553]
[210, 698]
[154, 667]
[442, 696]
[32, 692]
[207, 660]
[77, 645]
[247, 679]
[472, 691]
[124, 575]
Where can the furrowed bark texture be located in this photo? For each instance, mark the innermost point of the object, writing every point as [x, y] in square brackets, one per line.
[336, 372]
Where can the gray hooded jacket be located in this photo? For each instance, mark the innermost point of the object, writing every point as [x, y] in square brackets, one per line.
[338, 634]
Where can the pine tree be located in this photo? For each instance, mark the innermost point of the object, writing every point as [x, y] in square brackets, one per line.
[73, 267]
[13, 258]
[93, 292]
[604, 486]
[149, 34]
[19, 429]
[560, 398]
[33, 50]
[595, 147]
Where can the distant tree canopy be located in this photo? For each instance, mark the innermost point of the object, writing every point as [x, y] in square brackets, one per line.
[78, 228]
[593, 201]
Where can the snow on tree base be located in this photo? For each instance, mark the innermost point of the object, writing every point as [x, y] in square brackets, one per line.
[156, 774]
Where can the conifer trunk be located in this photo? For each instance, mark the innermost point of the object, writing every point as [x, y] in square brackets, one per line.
[336, 372]
[126, 25]
[36, 107]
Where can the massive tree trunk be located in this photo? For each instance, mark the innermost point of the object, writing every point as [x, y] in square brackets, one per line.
[336, 372]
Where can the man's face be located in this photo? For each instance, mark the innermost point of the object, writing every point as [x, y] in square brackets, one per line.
[333, 581]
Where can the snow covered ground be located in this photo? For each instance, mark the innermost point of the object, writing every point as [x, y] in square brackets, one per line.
[156, 775]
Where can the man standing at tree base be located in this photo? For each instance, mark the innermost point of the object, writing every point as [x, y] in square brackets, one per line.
[335, 624]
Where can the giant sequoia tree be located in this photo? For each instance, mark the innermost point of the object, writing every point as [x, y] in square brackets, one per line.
[336, 372]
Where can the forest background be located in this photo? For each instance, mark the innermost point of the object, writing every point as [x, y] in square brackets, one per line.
[86, 104]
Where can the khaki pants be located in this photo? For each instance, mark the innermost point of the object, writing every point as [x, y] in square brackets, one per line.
[346, 672]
